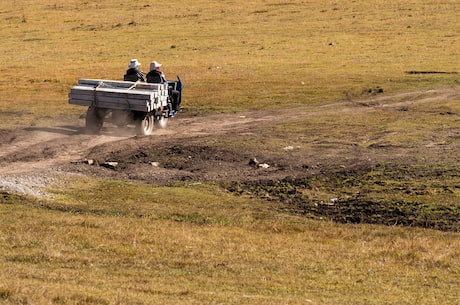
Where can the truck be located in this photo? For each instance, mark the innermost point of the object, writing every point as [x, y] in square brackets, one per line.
[145, 105]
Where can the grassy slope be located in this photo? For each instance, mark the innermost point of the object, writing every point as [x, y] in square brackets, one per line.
[96, 243]
[199, 245]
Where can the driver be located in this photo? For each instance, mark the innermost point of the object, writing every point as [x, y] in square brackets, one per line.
[155, 75]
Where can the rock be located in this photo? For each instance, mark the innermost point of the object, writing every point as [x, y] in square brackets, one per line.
[86, 161]
[256, 164]
[253, 162]
[263, 165]
[111, 165]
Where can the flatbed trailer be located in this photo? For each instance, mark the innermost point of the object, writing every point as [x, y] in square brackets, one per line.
[146, 105]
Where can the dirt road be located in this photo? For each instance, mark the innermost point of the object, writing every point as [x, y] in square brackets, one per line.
[31, 157]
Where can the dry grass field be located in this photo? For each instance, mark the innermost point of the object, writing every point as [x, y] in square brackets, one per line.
[355, 102]
[257, 54]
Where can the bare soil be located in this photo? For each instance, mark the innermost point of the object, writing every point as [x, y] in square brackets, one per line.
[32, 157]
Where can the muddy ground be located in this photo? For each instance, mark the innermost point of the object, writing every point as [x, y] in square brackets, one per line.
[30, 158]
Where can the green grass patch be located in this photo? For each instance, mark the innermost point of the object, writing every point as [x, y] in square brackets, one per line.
[194, 203]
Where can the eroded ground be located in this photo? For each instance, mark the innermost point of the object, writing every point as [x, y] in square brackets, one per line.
[333, 180]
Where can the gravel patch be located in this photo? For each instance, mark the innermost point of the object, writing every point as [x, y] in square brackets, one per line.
[30, 184]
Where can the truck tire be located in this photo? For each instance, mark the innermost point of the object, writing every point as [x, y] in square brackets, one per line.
[145, 125]
[94, 121]
[161, 121]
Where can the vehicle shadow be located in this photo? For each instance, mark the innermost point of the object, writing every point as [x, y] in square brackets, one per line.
[112, 131]
[64, 130]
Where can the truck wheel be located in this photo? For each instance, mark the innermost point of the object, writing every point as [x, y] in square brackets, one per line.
[145, 125]
[161, 121]
[93, 121]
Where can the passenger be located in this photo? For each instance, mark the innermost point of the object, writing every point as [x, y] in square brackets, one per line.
[155, 75]
[134, 74]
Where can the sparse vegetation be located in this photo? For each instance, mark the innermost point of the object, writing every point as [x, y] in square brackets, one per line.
[197, 244]
[370, 214]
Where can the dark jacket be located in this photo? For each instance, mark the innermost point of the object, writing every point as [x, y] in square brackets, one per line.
[134, 75]
[156, 76]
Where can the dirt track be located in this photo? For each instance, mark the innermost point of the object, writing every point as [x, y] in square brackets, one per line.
[31, 157]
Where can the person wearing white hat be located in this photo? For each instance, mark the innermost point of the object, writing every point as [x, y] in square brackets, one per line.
[134, 73]
[155, 75]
